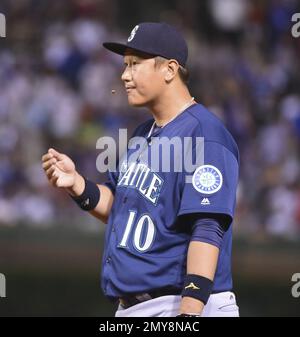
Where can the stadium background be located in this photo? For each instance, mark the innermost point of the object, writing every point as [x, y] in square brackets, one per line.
[56, 83]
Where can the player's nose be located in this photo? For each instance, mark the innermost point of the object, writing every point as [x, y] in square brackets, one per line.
[126, 75]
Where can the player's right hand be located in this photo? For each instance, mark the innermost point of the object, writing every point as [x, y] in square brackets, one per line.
[59, 168]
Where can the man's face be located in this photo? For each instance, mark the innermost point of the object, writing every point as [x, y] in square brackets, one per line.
[144, 82]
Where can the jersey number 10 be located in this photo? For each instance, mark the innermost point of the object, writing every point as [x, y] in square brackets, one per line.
[144, 232]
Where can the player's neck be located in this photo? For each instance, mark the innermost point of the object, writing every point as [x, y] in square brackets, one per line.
[170, 105]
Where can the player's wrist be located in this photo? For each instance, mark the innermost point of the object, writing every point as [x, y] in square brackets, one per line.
[191, 305]
[78, 186]
[197, 287]
[90, 196]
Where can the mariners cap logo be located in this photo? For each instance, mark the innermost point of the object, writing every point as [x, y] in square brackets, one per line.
[207, 179]
[133, 32]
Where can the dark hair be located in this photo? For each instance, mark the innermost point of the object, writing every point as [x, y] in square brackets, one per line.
[182, 72]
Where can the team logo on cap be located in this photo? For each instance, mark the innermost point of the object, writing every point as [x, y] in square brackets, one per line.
[133, 32]
[207, 179]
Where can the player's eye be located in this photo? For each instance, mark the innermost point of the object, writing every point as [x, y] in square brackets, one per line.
[131, 63]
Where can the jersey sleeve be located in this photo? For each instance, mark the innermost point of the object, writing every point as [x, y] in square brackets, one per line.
[211, 187]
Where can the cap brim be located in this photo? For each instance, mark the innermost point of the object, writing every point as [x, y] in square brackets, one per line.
[117, 48]
[120, 48]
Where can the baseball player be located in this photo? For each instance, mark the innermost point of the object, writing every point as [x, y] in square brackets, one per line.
[169, 232]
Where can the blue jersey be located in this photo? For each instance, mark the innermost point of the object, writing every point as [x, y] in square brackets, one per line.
[148, 231]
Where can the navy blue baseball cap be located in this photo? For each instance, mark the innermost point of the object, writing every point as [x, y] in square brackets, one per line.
[157, 39]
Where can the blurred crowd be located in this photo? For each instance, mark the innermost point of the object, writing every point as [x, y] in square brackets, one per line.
[56, 82]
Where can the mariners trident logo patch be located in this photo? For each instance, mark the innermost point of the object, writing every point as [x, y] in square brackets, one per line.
[207, 179]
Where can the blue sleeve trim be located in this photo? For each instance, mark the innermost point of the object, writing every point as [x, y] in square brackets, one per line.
[208, 231]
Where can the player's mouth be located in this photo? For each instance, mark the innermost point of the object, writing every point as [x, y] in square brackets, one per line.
[129, 89]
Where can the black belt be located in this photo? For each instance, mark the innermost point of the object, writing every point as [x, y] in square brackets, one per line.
[133, 299]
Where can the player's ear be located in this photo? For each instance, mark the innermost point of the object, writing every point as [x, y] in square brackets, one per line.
[172, 70]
